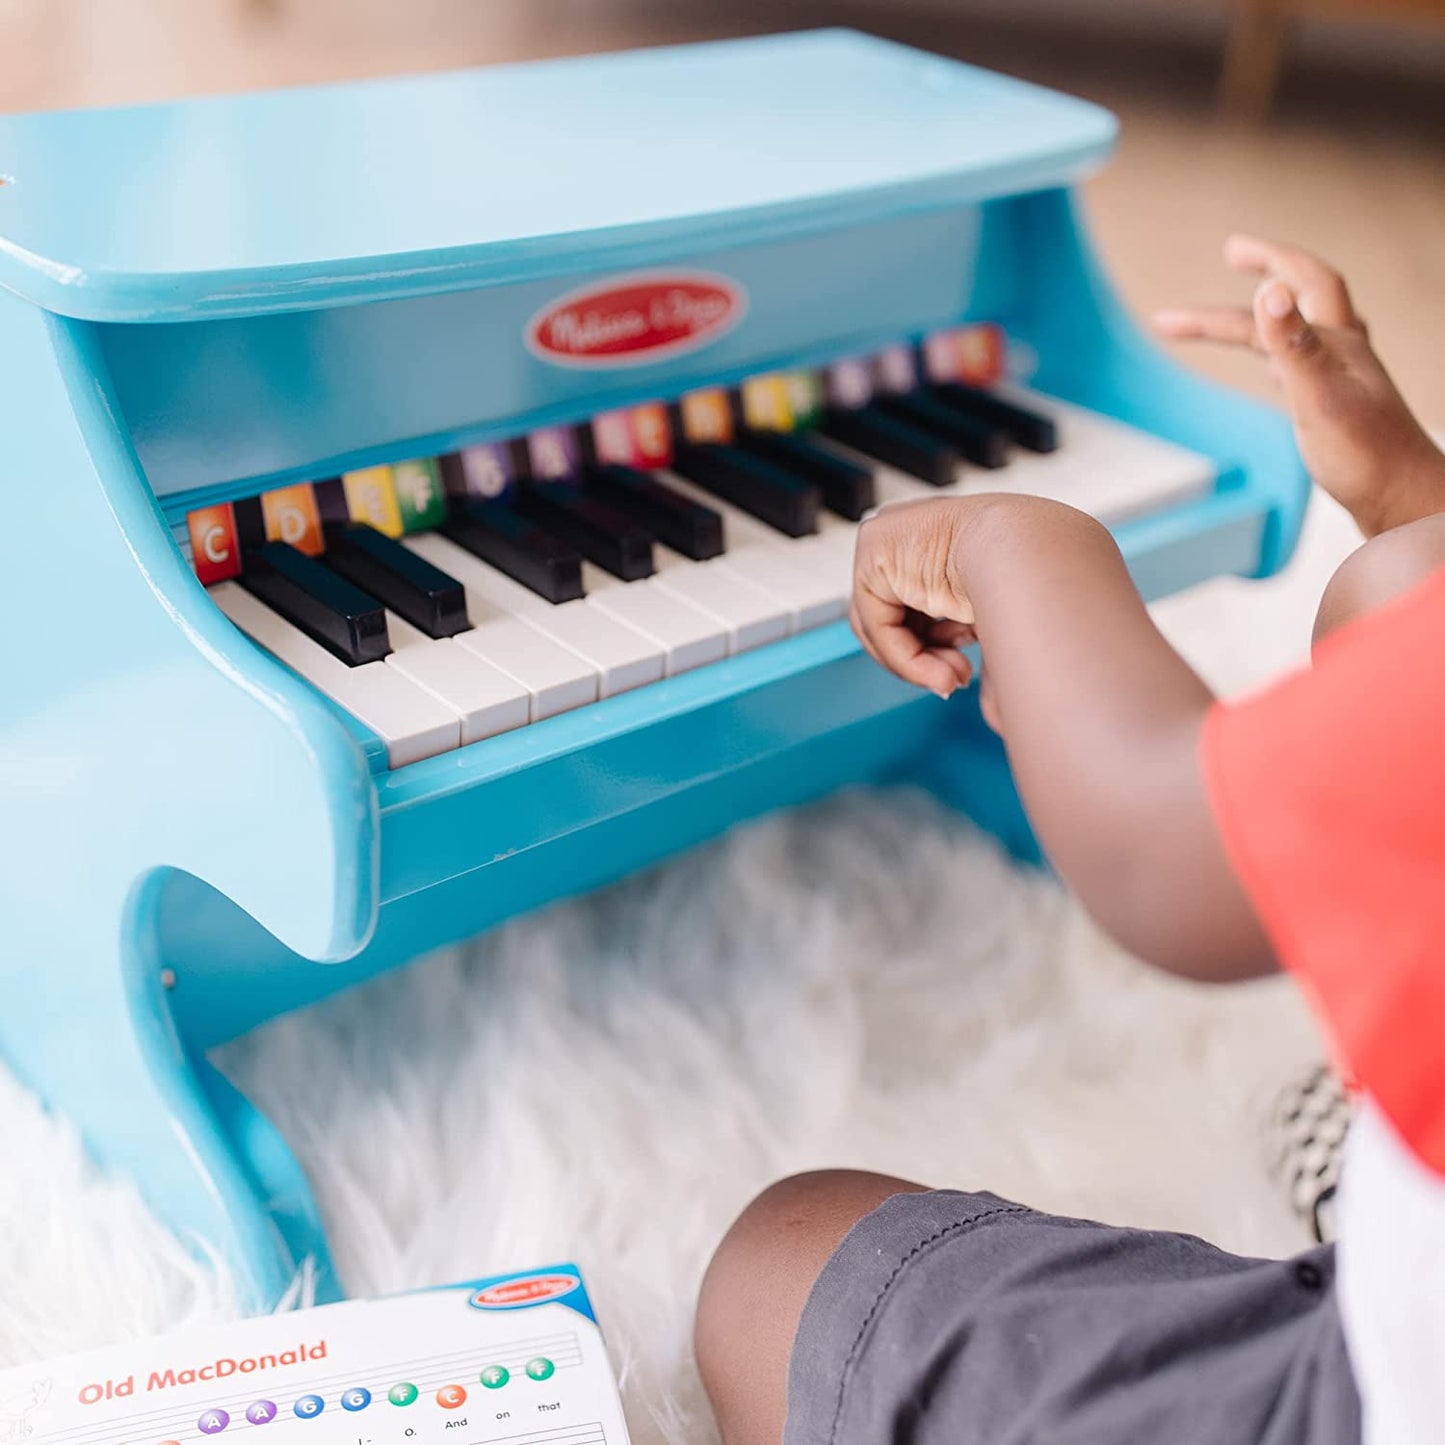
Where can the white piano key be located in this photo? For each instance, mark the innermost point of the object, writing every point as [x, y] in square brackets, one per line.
[689, 638]
[833, 549]
[621, 657]
[486, 700]
[784, 566]
[556, 679]
[1101, 466]
[751, 615]
[410, 721]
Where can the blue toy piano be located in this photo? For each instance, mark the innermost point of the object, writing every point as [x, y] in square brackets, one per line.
[435, 497]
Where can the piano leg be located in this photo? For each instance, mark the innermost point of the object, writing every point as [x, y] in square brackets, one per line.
[86, 1025]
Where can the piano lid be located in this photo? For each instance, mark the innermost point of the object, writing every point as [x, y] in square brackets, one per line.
[232, 205]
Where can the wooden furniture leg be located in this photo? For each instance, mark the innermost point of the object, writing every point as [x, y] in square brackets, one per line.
[1254, 55]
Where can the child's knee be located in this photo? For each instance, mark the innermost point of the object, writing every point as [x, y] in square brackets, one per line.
[753, 1294]
[767, 1260]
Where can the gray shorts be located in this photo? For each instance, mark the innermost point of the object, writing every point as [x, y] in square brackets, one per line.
[962, 1319]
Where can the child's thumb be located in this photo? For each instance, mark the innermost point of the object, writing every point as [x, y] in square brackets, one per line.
[1283, 332]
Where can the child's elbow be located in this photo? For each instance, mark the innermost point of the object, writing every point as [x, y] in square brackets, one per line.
[1158, 882]
[1201, 945]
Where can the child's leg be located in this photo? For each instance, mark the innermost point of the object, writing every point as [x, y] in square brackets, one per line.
[757, 1284]
[848, 1307]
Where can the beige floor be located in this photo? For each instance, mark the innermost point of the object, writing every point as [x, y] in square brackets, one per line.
[1353, 165]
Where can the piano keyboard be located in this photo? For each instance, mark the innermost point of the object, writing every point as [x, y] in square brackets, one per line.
[440, 603]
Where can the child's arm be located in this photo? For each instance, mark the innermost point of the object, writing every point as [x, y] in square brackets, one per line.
[1386, 567]
[1100, 716]
[1359, 440]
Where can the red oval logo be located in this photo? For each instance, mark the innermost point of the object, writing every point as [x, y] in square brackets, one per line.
[637, 320]
[533, 1289]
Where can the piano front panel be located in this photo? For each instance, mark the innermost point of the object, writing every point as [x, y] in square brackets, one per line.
[297, 393]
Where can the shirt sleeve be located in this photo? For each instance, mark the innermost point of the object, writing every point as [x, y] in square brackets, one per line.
[1329, 791]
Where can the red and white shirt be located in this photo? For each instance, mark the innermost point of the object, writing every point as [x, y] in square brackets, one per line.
[1329, 790]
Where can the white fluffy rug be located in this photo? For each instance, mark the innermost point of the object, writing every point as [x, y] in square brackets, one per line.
[866, 983]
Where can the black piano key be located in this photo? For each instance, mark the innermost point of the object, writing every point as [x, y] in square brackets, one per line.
[1029, 429]
[767, 491]
[424, 595]
[980, 442]
[331, 501]
[674, 520]
[518, 547]
[598, 531]
[848, 489]
[250, 524]
[338, 614]
[877, 434]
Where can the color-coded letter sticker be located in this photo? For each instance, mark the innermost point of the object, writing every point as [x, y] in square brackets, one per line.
[371, 498]
[612, 438]
[981, 354]
[651, 434]
[897, 371]
[805, 397]
[940, 355]
[850, 383]
[419, 494]
[707, 417]
[553, 454]
[483, 472]
[215, 544]
[291, 515]
[765, 404]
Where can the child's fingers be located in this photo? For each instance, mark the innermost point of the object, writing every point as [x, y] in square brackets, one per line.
[1324, 297]
[1292, 344]
[1228, 325]
[882, 627]
[945, 632]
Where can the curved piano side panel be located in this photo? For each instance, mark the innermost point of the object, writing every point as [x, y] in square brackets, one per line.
[1092, 352]
[472, 839]
[139, 734]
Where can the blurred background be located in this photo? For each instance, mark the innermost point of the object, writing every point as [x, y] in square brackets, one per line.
[1316, 121]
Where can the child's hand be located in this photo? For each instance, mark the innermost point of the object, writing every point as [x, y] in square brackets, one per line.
[909, 610]
[927, 575]
[1359, 440]
[1100, 716]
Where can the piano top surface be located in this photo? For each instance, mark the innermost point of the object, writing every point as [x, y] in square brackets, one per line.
[291, 199]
